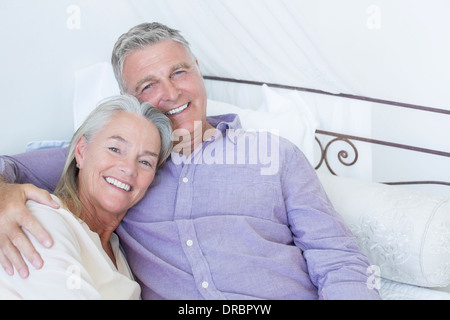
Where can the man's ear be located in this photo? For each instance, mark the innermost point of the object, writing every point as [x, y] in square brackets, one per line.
[80, 149]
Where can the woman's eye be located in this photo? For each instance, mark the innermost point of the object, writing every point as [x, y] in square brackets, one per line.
[146, 163]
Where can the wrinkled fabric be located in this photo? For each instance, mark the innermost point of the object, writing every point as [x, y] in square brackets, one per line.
[225, 223]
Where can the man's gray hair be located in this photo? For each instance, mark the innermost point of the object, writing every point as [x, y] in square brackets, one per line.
[137, 38]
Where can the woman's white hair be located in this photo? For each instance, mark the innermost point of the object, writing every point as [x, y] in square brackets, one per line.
[67, 188]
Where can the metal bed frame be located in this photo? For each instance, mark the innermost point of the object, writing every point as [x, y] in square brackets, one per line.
[342, 155]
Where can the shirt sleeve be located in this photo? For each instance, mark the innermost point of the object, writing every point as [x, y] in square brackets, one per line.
[64, 275]
[41, 168]
[335, 264]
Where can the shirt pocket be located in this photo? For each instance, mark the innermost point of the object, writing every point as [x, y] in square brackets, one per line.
[238, 190]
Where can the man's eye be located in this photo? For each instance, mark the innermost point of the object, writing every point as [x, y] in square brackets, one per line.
[178, 73]
[147, 87]
[113, 149]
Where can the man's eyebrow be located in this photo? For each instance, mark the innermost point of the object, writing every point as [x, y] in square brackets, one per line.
[181, 65]
[142, 81]
[146, 152]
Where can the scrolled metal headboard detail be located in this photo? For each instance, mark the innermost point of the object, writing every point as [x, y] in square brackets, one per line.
[342, 155]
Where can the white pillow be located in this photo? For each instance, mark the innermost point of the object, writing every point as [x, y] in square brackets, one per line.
[92, 84]
[285, 115]
[404, 232]
[46, 144]
[391, 290]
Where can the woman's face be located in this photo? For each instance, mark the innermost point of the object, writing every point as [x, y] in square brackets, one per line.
[119, 164]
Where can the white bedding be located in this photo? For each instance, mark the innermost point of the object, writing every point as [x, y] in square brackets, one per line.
[404, 233]
[415, 278]
[391, 290]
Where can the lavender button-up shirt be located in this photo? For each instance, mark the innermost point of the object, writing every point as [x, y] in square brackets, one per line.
[243, 217]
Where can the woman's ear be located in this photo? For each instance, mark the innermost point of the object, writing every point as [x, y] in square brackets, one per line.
[80, 149]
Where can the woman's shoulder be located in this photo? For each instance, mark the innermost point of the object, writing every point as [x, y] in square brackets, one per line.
[60, 223]
[47, 213]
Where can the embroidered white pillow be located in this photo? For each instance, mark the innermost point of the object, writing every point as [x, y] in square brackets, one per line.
[404, 232]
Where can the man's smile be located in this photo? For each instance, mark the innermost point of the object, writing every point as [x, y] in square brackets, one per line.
[177, 110]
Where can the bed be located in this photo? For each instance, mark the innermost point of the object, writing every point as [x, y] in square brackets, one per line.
[362, 88]
[402, 226]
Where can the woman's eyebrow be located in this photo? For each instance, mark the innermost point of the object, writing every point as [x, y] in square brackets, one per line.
[118, 138]
[151, 153]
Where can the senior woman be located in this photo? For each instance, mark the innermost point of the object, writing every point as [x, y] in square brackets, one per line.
[111, 161]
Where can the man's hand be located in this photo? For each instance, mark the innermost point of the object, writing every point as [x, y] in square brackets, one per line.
[14, 215]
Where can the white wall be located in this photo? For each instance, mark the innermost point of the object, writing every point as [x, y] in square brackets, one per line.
[388, 49]
[43, 42]
[395, 50]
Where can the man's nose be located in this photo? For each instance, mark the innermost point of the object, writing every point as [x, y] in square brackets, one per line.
[170, 91]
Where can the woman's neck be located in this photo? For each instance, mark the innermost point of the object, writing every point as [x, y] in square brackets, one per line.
[102, 223]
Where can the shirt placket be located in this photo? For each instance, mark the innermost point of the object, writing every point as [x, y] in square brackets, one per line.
[188, 233]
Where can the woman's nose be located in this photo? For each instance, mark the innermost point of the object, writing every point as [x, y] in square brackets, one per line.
[128, 167]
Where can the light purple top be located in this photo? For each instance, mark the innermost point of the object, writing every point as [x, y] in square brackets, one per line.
[223, 224]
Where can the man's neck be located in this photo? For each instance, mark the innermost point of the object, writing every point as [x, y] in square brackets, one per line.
[189, 143]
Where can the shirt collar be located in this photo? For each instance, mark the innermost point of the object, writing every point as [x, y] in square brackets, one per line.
[224, 123]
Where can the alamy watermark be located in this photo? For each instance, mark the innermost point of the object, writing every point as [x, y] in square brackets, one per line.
[239, 147]
[73, 21]
[374, 278]
[373, 21]
[73, 281]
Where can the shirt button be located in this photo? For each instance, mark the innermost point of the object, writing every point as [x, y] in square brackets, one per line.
[189, 243]
[185, 180]
[205, 284]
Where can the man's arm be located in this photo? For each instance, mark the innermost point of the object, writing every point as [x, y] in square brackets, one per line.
[335, 263]
[43, 169]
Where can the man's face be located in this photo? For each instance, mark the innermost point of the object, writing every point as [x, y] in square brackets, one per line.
[167, 76]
